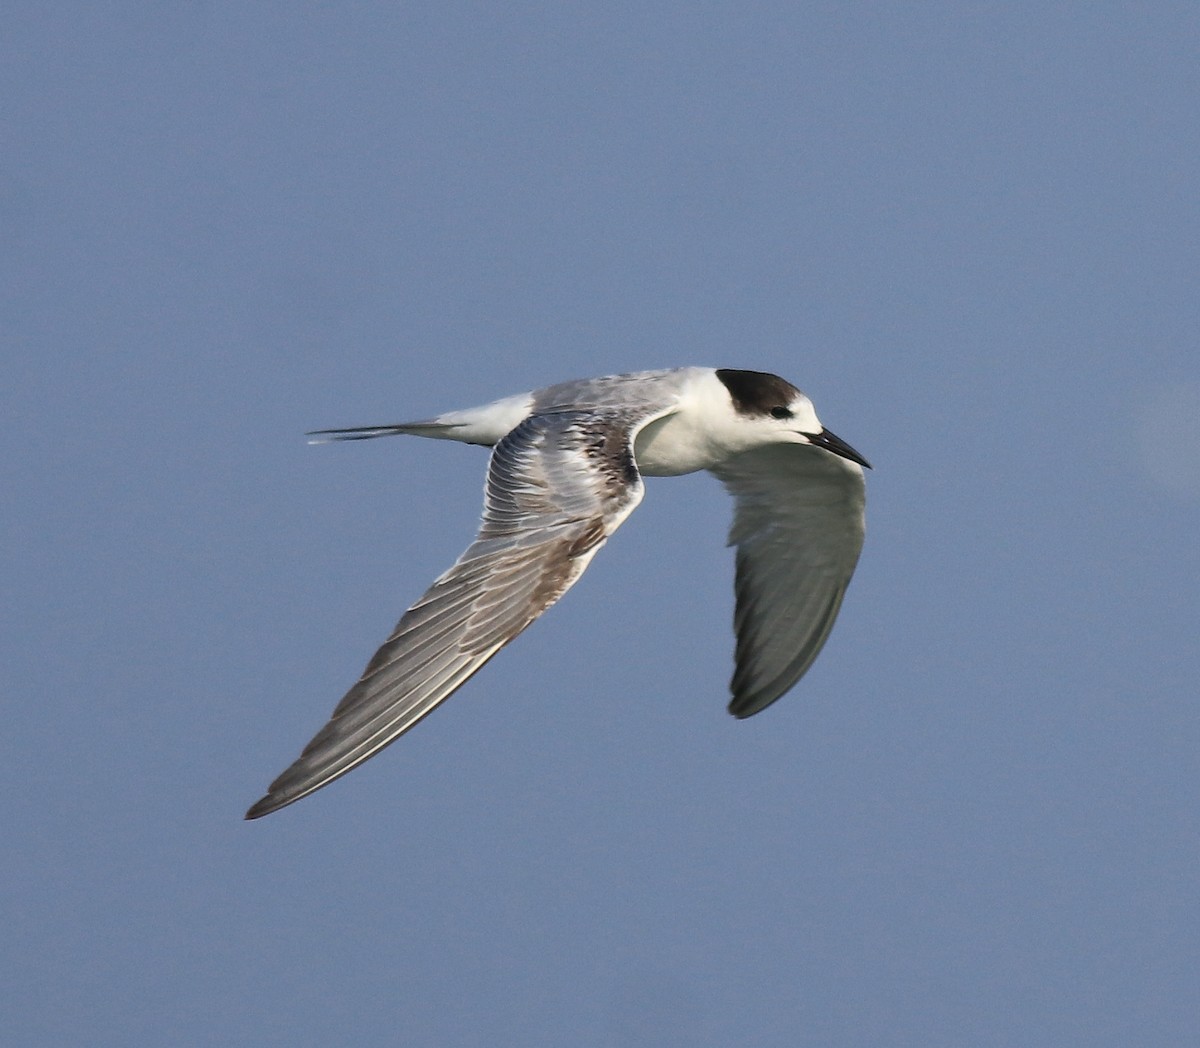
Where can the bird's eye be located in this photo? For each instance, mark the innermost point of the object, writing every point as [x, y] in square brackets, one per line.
[781, 412]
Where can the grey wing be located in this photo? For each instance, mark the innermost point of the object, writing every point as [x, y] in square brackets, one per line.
[557, 487]
[798, 527]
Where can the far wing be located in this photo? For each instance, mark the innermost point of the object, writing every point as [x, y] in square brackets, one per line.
[558, 486]
[798, 528]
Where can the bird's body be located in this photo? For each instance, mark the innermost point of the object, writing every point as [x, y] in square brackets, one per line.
[565, 472]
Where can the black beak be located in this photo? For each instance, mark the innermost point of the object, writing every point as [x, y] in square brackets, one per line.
[829, 442]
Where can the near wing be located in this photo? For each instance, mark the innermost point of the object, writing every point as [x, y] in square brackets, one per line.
[798, 528]
[558, 485]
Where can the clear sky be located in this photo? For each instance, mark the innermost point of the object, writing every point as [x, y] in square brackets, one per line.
[969, 231]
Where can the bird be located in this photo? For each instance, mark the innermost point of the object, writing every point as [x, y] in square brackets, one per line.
[566, 470]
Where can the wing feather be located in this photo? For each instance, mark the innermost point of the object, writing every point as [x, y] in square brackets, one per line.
[558, 485]
[798, 527]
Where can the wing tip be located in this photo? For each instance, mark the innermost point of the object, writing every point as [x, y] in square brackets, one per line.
[288, 787]
[745, 706]
[264, 806]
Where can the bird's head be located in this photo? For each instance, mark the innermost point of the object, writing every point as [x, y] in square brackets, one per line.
[770, 410]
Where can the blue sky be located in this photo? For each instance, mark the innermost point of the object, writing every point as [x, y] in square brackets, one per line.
[969, 231]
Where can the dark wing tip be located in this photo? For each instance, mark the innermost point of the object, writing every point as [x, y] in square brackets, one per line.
[743, 706]
[287, 788]
[263, 807]
[295, 783]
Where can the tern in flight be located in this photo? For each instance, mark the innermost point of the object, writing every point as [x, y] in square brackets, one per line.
[566, 470]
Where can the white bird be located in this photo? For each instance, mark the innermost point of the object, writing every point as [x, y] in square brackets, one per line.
[565, 472]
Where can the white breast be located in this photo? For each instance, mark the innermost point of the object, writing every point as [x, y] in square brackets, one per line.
[697, 435]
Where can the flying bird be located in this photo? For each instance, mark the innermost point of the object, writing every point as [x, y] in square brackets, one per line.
[566, 470]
